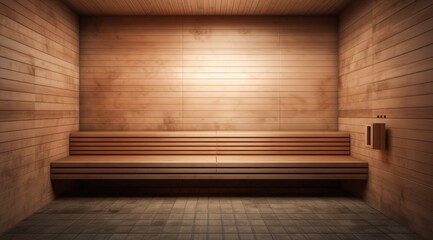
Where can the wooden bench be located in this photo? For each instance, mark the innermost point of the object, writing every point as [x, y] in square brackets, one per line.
[209, 155]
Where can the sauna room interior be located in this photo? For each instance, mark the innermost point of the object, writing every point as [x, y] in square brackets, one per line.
[216, 119]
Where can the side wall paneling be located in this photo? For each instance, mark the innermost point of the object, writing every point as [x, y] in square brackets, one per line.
[386, 68]
[38, 100]
[208, 73]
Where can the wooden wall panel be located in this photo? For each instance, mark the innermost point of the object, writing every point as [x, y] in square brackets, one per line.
[38, 100]
[208, 73]
[385, 69]
[200, 7]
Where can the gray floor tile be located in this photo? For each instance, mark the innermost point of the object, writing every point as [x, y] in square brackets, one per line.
[203, 217]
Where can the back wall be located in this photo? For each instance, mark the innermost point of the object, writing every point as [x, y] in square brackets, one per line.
[208, 73]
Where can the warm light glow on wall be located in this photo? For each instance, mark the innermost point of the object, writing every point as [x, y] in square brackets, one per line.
[213, 73]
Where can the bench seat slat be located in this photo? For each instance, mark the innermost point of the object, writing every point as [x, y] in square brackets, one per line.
[206, 144]
[286, 144]
[228, 134]
[279, 134]
[135, 161]
[141, 139]
[152, 134]
[294, 152]
[128, 170]
[206, 148]
[208, 161]
[283, 139]
[197, 152]
[142, 144]
[289, 161]
[195, 176]
[106, 152]
[256, 170]
[117, 148]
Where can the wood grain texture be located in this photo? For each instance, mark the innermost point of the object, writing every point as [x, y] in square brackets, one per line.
[200, 7]
[209, 155]
[209, 176]
[209, 143]
[209, 167]
[385, 69]
[208, 73]
[220, 135]
[135, 161]
[290, 161]
[38, 101]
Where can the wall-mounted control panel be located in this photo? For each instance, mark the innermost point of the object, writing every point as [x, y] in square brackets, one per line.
[375, 135]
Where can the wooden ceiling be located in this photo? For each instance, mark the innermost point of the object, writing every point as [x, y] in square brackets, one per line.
[206, 7]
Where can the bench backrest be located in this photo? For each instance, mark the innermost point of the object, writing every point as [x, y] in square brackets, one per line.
[210, 143]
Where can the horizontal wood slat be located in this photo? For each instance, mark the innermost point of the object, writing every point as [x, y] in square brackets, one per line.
[294, 152]
[207, 161]
[205, 144]
[195, 176]
[185, 152]
[290, 161]
[230, 135]
[320, 170]
[133, 170]
[87, 161]
[205, 148]
[208, 170]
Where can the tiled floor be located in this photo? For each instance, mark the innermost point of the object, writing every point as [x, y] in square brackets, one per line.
[201, 217]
